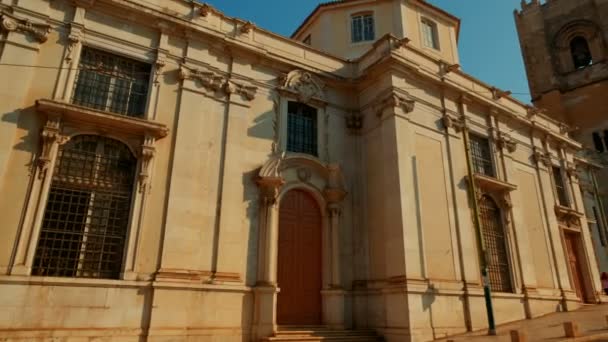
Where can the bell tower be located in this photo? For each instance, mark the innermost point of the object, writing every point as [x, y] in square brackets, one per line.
[564, 48]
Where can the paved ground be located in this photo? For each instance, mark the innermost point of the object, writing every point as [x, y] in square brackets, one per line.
[593, 322]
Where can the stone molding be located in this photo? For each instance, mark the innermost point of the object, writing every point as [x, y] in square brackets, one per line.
[10, 23]
[305, 85]
[66, 120]
[399, 104]
[505, 141]
[452, 121]
[541, 157]
[216, 82]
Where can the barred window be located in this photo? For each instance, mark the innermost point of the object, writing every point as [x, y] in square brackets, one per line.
[301, 128]
[87, 212]
[430, 35]
[560, 187]
[481, 155]
[362, 28]
[496, 247]
[111, 83]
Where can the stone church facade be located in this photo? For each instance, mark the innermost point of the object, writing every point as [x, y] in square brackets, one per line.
[170, 173]
[564, 49]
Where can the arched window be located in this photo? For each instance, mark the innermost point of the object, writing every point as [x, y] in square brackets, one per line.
[581, 55]
[496, 247]
[87, 213]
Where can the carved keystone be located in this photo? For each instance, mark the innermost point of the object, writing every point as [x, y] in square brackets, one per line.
[518, 336]
[572, 329]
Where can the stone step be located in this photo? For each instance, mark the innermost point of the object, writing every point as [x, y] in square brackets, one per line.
[321, 333]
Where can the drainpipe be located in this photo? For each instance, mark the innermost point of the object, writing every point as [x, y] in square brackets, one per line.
[482, 253]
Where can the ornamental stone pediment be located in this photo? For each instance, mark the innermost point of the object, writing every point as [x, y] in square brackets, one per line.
[304, 85]
[216, 82]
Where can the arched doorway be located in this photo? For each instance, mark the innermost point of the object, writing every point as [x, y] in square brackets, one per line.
[299, 260]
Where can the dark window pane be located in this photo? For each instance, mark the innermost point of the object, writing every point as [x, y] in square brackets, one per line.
[581, 55]
[111, 83]
[481, 156]
[301, 128]
[87, 213]
[560, 187]
[496, 248]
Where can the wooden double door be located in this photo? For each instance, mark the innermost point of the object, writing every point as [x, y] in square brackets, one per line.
[573, 255]
[299, 260]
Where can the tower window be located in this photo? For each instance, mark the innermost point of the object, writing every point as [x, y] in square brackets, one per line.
[430, 37]
[362, 27]
[597, 141]
[581, 55]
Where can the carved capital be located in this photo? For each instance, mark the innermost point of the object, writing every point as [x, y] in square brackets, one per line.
[451, 121]
[50, 135]
[147, 153]
[541, 157]
[505, 141]
[9, 22]
[395, 101]
[72, 41]
[399, 43]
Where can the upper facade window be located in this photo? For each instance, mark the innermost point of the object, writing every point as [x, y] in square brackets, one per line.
[481, 155]
[362, 27]
[560, 186]
[301, 128]
[111, 83]
[581, 55]
[430, 35]
[87, 213]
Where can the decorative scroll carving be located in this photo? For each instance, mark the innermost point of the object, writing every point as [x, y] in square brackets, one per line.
[10, 23]
[247, 27]
[568, 217]
[73, 40]
[394, 100]
[541, 157]
[571, 170]
[399, 43]
[453, 122]
[269, 179]
[505, 141]
[159, 66]
[50, 135]
[306, 85]
[276, 109]
[204, 10]
[303, 174]
[147, 153]
[497, 94]
[447, 68]
[218, 83]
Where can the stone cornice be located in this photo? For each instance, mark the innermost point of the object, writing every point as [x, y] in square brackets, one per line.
[9, 22]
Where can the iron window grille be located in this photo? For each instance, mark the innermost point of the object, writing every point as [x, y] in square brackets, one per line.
[560, 187]
[87, 212]
[111, 83]
[481, 156]
[362, 28]
[495, 243]
[301, 128]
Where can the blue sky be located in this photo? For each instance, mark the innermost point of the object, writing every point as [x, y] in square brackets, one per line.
[489, 48]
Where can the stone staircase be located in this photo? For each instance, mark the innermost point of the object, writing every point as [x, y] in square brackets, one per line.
[321, 333]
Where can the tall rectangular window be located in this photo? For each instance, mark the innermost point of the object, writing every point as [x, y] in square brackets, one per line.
[430, 36]
[111, 83]
[362, 28]
[301, 128]
[481, 155]
[599, 225]
[560, 187]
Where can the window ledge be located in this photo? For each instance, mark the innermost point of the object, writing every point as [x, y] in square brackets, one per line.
[492, 184]
[101, 120]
